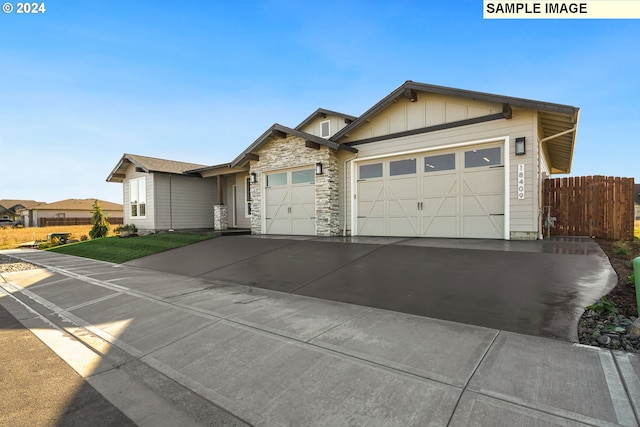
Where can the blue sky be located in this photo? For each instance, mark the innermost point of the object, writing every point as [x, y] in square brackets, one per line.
[198, 81]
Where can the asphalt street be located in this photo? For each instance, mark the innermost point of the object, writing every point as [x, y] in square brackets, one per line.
[38, 388]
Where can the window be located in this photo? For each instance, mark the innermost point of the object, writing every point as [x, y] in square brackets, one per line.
[247, 197]
[325, 129]
[306, 176]
[138, 197]
[402, 167]
[276, 179]
[485, 157]
[443, 162]
[371, 171]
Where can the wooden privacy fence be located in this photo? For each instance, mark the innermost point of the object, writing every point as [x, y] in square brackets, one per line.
[596, 206]
[50, 222]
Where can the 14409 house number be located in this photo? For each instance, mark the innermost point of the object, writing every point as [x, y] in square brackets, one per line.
[520, 182]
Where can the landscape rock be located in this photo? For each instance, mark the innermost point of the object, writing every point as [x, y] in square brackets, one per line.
[10, 265]
[633, 331]
[612, 331]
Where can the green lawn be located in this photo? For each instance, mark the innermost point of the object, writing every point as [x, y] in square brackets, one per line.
[115, 249]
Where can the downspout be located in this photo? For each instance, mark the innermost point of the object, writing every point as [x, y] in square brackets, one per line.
[346, 195]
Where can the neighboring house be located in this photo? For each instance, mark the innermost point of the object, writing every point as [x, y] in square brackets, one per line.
[9, 208]
[636, 200]
[37, 215]
[425, 161]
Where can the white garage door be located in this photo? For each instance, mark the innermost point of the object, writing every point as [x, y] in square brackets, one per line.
[290, 201]
[456, 194]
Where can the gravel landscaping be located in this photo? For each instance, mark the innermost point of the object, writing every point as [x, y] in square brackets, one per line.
[614, 324]
[9, 264]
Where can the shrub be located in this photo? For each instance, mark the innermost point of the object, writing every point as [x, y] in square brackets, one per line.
[621, 248]
[84, 237]
[603, 306]
[126, 229]
[99, 221]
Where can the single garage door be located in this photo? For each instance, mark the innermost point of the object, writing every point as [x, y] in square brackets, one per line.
[448, 194]
[290, 200]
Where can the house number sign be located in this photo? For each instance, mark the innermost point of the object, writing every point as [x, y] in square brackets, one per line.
[520, 181]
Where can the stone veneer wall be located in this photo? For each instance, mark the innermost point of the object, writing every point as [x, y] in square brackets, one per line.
[291, 153]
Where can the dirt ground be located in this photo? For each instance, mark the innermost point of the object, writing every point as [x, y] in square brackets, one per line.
[621, 255]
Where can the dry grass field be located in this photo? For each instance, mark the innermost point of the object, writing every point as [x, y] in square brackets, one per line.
[11, 237]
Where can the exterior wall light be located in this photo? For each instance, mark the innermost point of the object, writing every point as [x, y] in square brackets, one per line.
[318, 168]
[520, 146]
[253, 178]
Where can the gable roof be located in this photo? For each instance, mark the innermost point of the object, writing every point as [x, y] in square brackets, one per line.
[150, 165]
[276, 131]
[321, 112]
[76, 205]
[9, 204]
[558, 122]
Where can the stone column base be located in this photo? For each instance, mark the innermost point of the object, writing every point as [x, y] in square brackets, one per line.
[220, 217]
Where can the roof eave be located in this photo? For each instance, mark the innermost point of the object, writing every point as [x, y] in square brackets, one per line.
[409, 86]
[248, 153]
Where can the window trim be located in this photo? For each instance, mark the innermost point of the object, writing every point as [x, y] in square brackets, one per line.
[137, 182]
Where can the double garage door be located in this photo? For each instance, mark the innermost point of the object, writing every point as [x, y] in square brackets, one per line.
[445, 194]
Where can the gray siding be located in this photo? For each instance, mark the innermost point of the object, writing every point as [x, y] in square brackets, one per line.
[184, 202]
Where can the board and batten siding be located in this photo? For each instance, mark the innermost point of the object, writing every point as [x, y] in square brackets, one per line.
[523, 213]
[148, 222]
[429, 110]
[336, 124]
[183, 202]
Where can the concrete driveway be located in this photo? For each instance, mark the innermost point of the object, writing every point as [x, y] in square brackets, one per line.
[531, 287]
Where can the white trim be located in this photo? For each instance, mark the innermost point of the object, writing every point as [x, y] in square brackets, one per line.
[128, 207]
[506, 162]
[234, 213]
[507, 189]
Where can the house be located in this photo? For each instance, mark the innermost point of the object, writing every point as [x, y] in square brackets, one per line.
[67, 212]
[636, 200]
[9, 208]
[425, 161]
[164, 194]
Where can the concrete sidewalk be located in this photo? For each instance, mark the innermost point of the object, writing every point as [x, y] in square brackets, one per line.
[169, 349]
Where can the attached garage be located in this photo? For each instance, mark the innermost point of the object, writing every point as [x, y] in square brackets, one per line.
[446, 193]
[290, 202]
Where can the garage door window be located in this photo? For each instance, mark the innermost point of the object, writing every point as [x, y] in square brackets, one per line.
[485, 157]
[307, 176]
[444, 162]
[371, 171]
[402, 167]
[277, 179]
